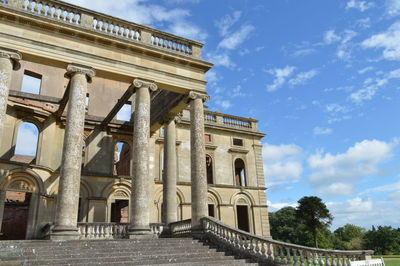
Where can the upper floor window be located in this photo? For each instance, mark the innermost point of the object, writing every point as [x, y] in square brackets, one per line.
[26, 142]
[87, 101]
[209, 166]
[237, 142]
[31, 82]
[240, 173]
[122, 159]
[125, 112]
[207, 138]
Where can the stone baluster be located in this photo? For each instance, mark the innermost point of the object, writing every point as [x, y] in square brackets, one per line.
[70, 174]
[9, 61]
[170, 172]
[140, 212]
[198, 163]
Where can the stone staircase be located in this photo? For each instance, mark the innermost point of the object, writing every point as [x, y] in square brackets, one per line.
[171, 251]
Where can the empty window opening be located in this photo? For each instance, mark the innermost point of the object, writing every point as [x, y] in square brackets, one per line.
[120, 211]
[242, 213]
[31, 82]
[26, 143]
[87, 101]
[16, 211]
[210, 178]
[162, 132]
[122, 159]
[211, 210]
[207, 138]
[125, 113]
[237, 142]
[240, 173]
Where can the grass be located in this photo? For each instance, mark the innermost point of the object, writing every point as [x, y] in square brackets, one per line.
[390, 260]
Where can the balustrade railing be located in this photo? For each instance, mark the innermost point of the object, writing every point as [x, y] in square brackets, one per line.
[110, 230]
[236, 122]
[274, 252]
[230, 121]
[104, 24]
[209, 117]
[181, 228]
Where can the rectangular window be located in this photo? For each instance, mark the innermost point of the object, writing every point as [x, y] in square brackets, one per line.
[207, 138]
[125, 113]
[237, 142]
[87, 102]
[31, 82]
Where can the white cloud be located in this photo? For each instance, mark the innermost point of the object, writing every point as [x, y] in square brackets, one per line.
[336, 108]
[182, 1]
[365, 69]
[385, 188]
[212, 77]
[303, 77]
[282, 162]
[225, 104]
[331, 37]
[336, 189]
[225, 23]
[322, 131]
[303, 52]
[280, 75]
[221, 59]
[359, 5]
[174, 20]
[389, 41]
[362, 159]
[393, 7]
[232, 41]
[279, 205]
[364, 23]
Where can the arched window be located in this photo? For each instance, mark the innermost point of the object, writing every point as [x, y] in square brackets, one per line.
[240, 173]
[26, 142]
[209, 165]
[122, 159]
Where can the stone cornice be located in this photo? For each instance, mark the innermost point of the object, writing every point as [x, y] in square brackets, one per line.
[140, 83]
[89, 72]
[13, 55]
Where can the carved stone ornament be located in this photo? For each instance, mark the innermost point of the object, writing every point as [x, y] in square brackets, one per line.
[139, 83]
[168, 117]
[81, 69]
[193, 95]
[13, 55]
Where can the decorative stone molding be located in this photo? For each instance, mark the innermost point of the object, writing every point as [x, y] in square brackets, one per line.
[139, 83]
[81, 69]
[13, 55]
[193, 95]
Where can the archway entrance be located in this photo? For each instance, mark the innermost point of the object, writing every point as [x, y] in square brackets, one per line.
[15, 215]
[120, 211]
[243, 217]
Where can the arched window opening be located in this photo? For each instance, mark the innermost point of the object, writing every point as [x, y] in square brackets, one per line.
[242, 213]
[240, 173]
[122, 159]
[209, 165]
[26, 143]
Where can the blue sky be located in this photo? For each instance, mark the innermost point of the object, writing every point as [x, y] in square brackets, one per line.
[323, 79]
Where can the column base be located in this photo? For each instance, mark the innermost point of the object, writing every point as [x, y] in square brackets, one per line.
[64, 233]
[198, 232]
[140, 233]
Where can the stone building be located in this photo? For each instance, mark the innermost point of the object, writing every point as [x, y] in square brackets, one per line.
[67, 77]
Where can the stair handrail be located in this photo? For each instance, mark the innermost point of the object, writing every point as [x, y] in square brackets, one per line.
[181, 228]
[272, 251]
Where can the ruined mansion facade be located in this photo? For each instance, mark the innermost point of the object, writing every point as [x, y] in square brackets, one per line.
[103, 125]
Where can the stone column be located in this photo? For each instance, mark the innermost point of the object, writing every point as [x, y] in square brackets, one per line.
[9, 61]
[140, 210]
[197, 159]
[169, 174]
[2, 202]
[70, 175]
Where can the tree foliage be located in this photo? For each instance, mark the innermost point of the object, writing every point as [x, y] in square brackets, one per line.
[384, 241]
[315, 215]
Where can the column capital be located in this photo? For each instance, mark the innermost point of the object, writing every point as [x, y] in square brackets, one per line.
[168, 117]
[193, 95]
[89, 72]
[13, 55]
[139, 83]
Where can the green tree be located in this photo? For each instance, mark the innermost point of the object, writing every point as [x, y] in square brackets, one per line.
[384, 241]
[349, 231]
[315, 215]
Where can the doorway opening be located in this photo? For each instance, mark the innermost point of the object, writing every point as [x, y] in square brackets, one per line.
[120, 211]
[211, 210]
[242, 213]
[15, 217]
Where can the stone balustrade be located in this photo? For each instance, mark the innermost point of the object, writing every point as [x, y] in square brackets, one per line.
[110, 230]
[108, 25]
[274, 252]
[230, 120]
[181, 228]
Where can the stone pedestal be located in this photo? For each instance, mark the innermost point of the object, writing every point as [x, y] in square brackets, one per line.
[169, 175]
[198, 160]
[9, 61]
[140, 210]
[70, 175]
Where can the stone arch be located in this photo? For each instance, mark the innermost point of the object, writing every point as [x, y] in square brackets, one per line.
[243, 204]
[85, 192]
[122, 158]
[210, 168]
[17, 141]
[214, 200]
[28, 184]
[117, 191]
[158, 200]
[240, 171]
